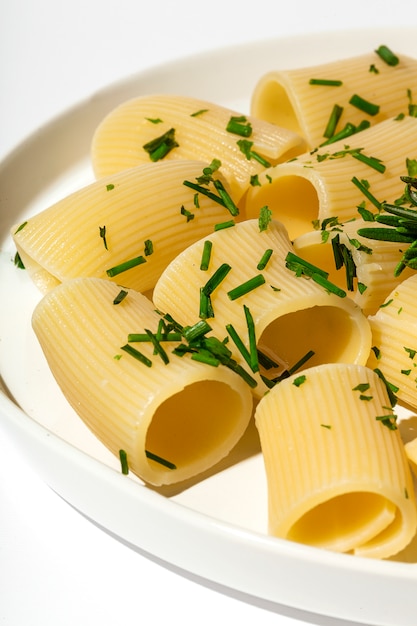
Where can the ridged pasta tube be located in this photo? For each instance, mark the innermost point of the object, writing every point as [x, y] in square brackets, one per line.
[287, 97]
[337, 475]
[292, 315]
[330, 182]
[173, 420]
[374, 261]
[394, 337]
[143, 217]
[197, 130]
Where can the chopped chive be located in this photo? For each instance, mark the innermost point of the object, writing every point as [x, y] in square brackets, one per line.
[18, 261]
[206, 308]
[187, 214]
[160, 460]
[159, 147]
[326, 82]
[239, 125]
[391, 389]
[388, 420]
[329, 286]
[197, 113]
[215, 280]
[120, 296]
[127, 265]
[227, 200]
[205, 258]
[148, 247]
[245, 146]
[361, 387]
[144, 337]
[254, 363]
[364, 105]
[348, 130]
[198, 330]
[254, 181]
[411, 352]
[301, 362]
[123, 462]
[387, 55]
[264, 259]
[246, 287]
[158, 349]
[205, 356]
[109, 187]
[363, 186]
[154, 120]
[299, 380]
[102, 231]
[22, 225]
[137, 355]
[303, 264]
[265, 361]
[373, 162]
[224, 225]
[265, 217]
[239, 343]
[333, 121]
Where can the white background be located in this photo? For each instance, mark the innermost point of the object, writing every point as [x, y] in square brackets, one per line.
[56, 568]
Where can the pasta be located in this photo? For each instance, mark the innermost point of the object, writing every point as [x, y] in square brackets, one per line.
[374, 262]
[183, 413]
[197, 284]
[329, 183]
[394, 337]
[338, 477]
[287, 97]
[196, 130]
[96, 230]
[292, 316]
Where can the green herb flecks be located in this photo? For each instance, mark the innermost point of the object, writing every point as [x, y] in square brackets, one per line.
[303, 268]
[239, 125]
[245, 146]
[160, 460]
[265, 217]
[127, 265]
[387, 55]
[102, 232]
[123, 462]
[120, 296]
[325, 82]
[364, 105]
[246, 287]
[159, 147]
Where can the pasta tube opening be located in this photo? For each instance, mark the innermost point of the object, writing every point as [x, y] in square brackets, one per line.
[293, 200]
[188, 425]
[272, 103]
[325, 332]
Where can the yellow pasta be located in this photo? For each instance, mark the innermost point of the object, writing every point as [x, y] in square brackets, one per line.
[288, 99]
[292, 315]
[394, 337]
[319, 185]
[337, 473]
[182, 413]
[374, 261]
[143, 217]
[196, 130]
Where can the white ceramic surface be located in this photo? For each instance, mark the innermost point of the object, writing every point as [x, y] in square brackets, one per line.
[215, 529]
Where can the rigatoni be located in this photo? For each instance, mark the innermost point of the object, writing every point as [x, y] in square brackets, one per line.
[178, 127]
[125, 227]
[334, 180]
[394, 340]
[337, 473]
[320, 101]
[173, 416]
[294, 316]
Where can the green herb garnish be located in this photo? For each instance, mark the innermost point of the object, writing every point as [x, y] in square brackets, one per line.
[120, 296]
[123, 462]
[127, 265]
[364, 105]
[159, 147]
[246, 287]
[239, 125]
[326, 82]
[387, 55]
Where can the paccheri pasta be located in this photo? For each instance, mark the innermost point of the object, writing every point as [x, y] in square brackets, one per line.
[179, 127]
[216, 267]
[334, 180]
[338, 97]
[338, 477]
[155, 408]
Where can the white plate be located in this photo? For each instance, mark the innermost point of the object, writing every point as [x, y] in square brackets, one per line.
[216, 528]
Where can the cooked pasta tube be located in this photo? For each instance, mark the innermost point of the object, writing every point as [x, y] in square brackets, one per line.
[336, 469]
[188, 128]
[394, 337]
[173, 419]
[294, 318]
[368, 266]
[126, 227]
[411, 452]
[336, 179]
[303, 100]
